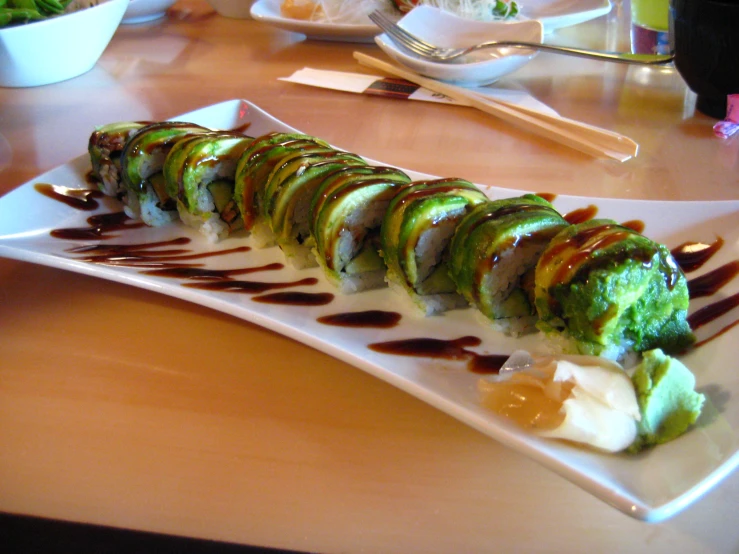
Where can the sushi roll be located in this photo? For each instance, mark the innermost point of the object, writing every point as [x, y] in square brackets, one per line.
[199, 175]
[493, 254]
[607, 290]
[287, 197]
[255, 165]
[415, 235]
[145, 196]
[105, 147]
[346, 215]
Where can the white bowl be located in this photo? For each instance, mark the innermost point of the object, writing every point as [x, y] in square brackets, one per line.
[141, 11]
[447, 30]
[58, 48]
[236, 9]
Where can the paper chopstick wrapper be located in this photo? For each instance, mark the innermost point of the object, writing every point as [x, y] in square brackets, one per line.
[394, 87]
[360, 83]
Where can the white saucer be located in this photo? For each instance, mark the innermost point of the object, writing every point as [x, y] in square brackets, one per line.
[447, 30]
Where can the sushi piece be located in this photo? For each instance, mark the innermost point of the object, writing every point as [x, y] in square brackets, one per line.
[145, 196]
[346, 214]
[287, 197]
[607, 290]
[105, 147]
[255, 165]
[493, 254]
[199, 175]
[415, 235]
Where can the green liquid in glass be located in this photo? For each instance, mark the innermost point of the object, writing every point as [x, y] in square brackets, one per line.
[651, 14]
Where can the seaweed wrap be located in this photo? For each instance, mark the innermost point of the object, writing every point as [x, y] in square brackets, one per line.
[607, 290]
[199, 175]
[142, 159]
[288, 194]
[346, 215]
[493, 255]
[257, 162]
[105, 146]
[415, 236]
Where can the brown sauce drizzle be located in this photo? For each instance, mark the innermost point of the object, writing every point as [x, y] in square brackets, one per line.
[487, 364]
[371, 318]
[713, 281]
[134, 259]
[296, 298]
[123, 248]
[581, 215]
[99, 229]
[595, 238]
[453, 349]
[91, 179]
[191, 272]
[242, 128]
[249, 287]
[713, 311]
[548, 196]
[79, 199]
[691, 256]
[716, 335]
[635, 225]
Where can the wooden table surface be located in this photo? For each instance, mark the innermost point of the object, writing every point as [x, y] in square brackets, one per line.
[122, 407]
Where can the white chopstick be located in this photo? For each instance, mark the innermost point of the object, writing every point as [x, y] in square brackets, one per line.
[589, 139]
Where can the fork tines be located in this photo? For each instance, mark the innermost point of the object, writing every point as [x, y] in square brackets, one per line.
[400, 36]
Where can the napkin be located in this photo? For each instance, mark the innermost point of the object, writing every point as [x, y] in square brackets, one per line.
[393, 87]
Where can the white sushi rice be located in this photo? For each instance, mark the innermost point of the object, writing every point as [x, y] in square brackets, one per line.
[204, 216]
[349, 247]
[298, 248]
[144, 206]
[262, 234]
[503, 279]
[351, 284]
[131, 206]
[210, 225]
[428, 255]
[427, 304]
[559, 341]
[357, 224]
[432, 243]
[299, 256]
[110, 178]
[512, 326]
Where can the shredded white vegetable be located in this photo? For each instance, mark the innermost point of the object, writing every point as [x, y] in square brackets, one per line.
[480, 10]
[357, 11]
[349, 11]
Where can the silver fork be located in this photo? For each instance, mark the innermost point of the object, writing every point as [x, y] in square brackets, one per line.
[423, 49]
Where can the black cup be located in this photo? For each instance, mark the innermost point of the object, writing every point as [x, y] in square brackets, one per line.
[704, 35]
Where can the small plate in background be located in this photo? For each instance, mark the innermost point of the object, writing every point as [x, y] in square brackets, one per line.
[447, 30]
[268, 11]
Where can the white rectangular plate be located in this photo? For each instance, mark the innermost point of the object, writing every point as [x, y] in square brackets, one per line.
[651, 486]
